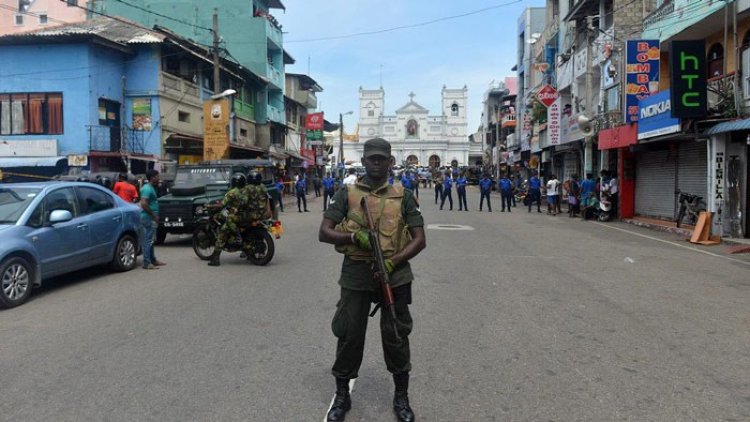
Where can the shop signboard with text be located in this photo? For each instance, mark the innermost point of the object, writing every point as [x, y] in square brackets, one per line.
[641, 74]
[216, 129]
[553, 122]
[655, 116]
[687, 65]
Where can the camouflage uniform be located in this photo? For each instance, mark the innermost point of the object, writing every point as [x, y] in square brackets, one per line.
[235, 202]
[252, 195]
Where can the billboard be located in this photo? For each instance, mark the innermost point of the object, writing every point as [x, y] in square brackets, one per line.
[687, 65]
[216, 129]
[641, 74]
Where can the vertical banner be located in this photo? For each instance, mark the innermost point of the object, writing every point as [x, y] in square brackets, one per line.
[314, 123]
[216, 129]
[553, 122]
[641, 74]
[687, 65]
[142, 114]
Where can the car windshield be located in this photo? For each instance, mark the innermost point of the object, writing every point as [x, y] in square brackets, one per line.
[14, 201]
[201, 175]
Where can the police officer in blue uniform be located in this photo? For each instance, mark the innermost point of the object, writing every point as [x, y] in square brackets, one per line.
[485, 187]
[447, 185]
[535, 193]
[301, 189]
[461, 183]
[506, 192]
[328, 190]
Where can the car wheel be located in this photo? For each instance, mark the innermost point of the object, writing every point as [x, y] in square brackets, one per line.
[15, 281]
[125, 254]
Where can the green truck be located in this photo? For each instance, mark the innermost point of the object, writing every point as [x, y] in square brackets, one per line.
[197, 185]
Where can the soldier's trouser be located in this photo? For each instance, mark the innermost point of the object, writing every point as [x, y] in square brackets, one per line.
[349, 325]
[228, 232]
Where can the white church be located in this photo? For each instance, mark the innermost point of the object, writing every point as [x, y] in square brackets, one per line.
[415, 136]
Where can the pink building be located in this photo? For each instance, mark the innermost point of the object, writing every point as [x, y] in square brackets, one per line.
[29, 15]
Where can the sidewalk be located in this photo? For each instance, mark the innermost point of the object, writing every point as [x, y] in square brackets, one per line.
[684, 231]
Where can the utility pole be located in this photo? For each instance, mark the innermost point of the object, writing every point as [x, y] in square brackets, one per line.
[217, 69]
[341, 142]
[588, 153]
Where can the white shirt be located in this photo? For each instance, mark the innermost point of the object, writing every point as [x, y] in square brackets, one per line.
[613, 189]
[552, 187]
[350, 179]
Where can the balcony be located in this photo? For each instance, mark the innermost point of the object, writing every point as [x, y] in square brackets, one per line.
[721, 96]
[275, 76]
[179, 87]
[115, 139]
[306, 98]
[658, 15]
[676, 16]
[508, 120]
[276, 115]
[274, 34]
[244, 110]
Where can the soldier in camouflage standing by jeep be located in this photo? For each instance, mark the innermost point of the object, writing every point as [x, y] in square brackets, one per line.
[235, 203]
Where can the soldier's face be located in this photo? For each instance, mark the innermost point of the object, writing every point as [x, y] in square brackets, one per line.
[377, 166]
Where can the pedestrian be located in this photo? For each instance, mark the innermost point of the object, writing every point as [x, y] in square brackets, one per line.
[447, 185]
[340, 227]
[280, 193]
[552, 195]
[588, 193]
[534, 193]
[614, 193]
[438, 185]
[300, 188]
[574, 193]
[125, 190]
[514, 188]
[485, 187]
[150, 219]
[328, 189]
[316, 184]
[461, 183]
[506, 192]
[351, 177]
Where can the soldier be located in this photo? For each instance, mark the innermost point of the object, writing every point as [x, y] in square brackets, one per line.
[402, 237]
[235, 203]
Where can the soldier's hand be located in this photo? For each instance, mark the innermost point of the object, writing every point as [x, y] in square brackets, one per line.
[389, 266]
[362, 240]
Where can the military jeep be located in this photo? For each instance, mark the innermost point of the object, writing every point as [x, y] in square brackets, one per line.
[197, 185]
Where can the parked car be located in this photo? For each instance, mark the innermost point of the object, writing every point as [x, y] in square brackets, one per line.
[53, 228]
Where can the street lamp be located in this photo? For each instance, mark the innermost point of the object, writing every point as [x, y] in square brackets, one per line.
[341, 141]
[226, 93]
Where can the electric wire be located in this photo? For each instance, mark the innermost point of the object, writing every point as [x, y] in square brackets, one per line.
[165, 16]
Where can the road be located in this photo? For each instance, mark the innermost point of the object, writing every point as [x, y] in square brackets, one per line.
[518, 317]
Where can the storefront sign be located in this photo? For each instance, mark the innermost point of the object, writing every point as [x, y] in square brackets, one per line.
[688, 69]
[142, 114]
[569, 129]
[553, 122]
[719, 177]
[216, 129]
[642, 74]
[78, 160]
[547, 95]
[314, 121]
[314, 135]
[655, 116]
[30, 148]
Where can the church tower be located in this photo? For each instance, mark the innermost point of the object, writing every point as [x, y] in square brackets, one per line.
[454, 112]
[371, 105]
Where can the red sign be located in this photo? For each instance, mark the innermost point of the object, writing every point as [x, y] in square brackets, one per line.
[314, 121]
[547, 95]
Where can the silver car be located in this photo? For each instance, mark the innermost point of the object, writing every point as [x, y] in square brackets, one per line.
[52, 228]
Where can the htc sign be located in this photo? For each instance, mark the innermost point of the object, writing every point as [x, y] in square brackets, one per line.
[687, 62]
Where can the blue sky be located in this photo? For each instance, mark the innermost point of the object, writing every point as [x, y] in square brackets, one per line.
[471, 50]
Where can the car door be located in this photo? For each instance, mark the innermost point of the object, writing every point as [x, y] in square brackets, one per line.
[64, 246]
[104, 220]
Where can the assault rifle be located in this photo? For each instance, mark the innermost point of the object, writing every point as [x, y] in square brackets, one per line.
[381, 273]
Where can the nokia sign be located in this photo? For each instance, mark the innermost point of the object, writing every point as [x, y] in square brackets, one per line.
[655, 114]
[687, 62]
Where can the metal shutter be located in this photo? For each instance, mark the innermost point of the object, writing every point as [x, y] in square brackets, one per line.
[654, 184]
[692, 169]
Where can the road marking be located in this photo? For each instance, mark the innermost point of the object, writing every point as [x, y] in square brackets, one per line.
[449, 227]
[351, 388]
[674, 244]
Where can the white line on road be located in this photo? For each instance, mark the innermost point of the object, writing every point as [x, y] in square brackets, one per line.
[674, 244]
[351, 388]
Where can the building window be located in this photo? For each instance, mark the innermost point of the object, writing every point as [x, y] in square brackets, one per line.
[412, 128]
[715, 60]
[370, 113]
[18, 20]
[31, 114]
[42, 19]
[72, 3]
[183, 116]
[454, 109]
[243, 133]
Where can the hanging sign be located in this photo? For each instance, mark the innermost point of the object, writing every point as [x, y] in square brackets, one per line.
[687, 64]
[314, 121]
[553, 122]
[642, 74]
[547, 95]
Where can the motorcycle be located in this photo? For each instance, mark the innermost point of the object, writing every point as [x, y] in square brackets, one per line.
[690, 205]
[600, 208]
[255, 240]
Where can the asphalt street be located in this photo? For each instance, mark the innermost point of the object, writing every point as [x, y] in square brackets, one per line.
[518, 317]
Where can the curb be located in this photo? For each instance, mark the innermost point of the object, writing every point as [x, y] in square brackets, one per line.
[678, 231]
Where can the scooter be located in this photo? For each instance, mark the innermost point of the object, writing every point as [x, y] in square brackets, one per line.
[601, 208]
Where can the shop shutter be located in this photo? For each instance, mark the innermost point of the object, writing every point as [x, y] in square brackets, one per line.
[654, 184]
[692, 168]
[570, 165]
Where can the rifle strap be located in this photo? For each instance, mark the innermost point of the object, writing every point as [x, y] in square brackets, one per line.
[375, 310]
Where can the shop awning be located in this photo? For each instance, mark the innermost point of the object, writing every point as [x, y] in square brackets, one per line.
[733, 126]
[618, 137]
[10, 162]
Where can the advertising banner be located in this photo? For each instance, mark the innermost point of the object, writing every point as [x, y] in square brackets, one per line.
[547, 95]
[216, 129]
[641, 73]
[656, 116]
[687, 64]
[142, 114]
[314, 121]
[553, 122]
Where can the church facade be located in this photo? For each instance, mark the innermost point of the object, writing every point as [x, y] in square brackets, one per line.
[416, 137]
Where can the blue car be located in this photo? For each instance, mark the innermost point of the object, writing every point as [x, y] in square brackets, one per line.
[52, 228]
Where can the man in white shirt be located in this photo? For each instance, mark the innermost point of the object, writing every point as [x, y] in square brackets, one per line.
[351, 178]
[552, 195]
[614, 191]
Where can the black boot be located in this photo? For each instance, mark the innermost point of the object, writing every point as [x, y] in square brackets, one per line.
[401, 398]
[214, 262]
[341, 403]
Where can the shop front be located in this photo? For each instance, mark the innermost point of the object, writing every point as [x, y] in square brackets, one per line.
[617, 141]
[729, 175]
